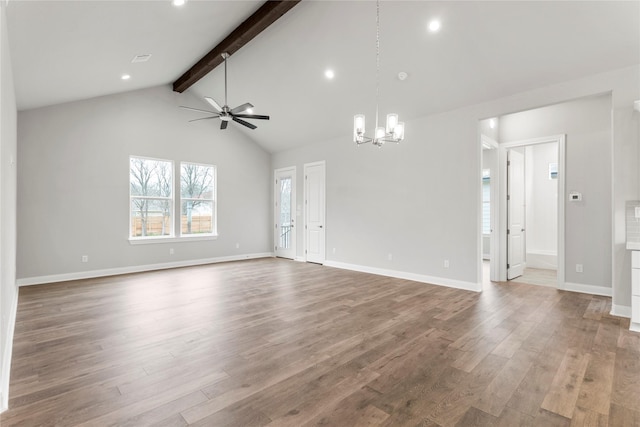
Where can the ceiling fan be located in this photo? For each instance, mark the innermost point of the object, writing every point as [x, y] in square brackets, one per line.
[224, 113]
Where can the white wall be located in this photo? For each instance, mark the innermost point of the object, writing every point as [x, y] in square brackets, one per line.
[73, 184]
[8, 290]
[420, 200]
[541, 206]
[414, 200]
[587, 125]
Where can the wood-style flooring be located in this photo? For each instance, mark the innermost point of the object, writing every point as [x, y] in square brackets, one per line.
[282, 343]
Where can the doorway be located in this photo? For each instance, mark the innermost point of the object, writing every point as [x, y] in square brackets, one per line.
[285, 208]
[314, 208]
[532, 211]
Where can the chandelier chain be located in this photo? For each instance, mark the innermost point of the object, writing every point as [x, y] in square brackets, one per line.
[377, 59]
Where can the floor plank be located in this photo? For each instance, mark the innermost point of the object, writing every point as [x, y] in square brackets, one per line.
[563, 394]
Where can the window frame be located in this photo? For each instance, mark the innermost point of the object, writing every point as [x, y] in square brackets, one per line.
[213, 200]
[175, 206]
[171, 200]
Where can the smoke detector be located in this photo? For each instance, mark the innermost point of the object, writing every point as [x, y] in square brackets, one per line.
[402, 76]
[141, 58]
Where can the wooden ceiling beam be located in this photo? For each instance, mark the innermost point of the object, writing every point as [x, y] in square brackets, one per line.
[268, 13]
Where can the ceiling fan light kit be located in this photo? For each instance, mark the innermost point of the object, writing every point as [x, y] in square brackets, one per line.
[394, 129]
[224, 113]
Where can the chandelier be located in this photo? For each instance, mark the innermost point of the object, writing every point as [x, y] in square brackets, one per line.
[394, 130]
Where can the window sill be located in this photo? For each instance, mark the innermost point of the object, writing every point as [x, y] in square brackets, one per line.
[154, 240]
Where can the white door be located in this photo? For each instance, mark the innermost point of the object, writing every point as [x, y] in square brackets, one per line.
[314, 207]
[285, 213]
[515, 214]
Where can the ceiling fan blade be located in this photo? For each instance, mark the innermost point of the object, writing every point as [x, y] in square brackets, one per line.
[223, 124]
[213, 103]
[197, 109]
[242, 122]
[241, 108]
[204, 118]
[252, 116]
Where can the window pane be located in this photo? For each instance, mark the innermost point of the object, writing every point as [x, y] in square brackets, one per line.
[196, 216]
[196, 181]
[486, 190]
[285, 213]
[486, 218]
[150, 178]
[486, 197]
[150, 217]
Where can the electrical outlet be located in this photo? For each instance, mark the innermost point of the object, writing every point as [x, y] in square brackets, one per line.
[85, 258]
[578, 268]
[390, 257]
[334, 251]
[446, 263]
[171, 251]
[237, 245]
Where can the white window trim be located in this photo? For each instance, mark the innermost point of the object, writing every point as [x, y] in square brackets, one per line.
[169, 239]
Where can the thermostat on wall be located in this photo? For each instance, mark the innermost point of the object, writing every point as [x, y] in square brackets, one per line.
[574, 196]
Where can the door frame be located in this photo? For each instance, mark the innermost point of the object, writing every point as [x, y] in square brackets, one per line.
[305, 196]
[276, 212]
[501, 239]
[490, 144]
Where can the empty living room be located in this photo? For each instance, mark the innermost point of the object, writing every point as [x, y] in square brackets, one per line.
[308, 212]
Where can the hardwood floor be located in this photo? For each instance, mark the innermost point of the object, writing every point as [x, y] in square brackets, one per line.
[281, 343]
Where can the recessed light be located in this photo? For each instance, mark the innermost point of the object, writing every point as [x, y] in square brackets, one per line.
[125, 77]
[402, 75]
[329, 74]
[178, 3]
[434, 26]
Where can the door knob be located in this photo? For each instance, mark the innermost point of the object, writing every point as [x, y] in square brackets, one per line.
[319, 226]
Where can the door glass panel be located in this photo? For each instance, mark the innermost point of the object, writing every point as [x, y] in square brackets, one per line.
[285, 213]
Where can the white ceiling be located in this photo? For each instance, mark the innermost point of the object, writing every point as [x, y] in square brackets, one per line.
[69, 50]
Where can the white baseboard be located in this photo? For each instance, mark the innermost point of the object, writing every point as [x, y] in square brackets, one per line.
[6, 357]
[39, 280]
[635, 327]
[300, 259]
[440, 281]
[541, 259]
[621, 311]
[588, 289]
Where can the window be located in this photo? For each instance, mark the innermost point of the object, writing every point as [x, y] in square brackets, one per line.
[486, 201]
[151, 197]
[197, 199]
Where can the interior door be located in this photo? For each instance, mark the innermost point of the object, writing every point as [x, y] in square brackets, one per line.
[285, 209]
[314, 177]
[515, 214]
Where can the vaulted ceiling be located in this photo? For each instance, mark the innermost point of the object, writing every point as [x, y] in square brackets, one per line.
[69, 50]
